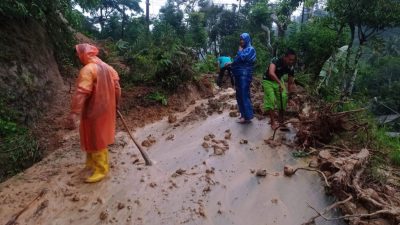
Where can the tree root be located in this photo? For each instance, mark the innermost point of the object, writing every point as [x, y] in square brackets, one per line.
[367, 215]
[345, 181]
[289, 171]
[311, 221]
[345, 171]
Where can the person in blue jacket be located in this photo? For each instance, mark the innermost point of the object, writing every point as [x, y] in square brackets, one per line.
[242, 69]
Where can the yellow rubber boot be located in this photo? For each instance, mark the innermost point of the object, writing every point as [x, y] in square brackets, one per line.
[89, 161]
[108, 161]
[101, 168]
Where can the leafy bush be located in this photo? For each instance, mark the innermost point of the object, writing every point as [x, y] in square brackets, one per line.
[207, 65]
[158, 97]
[174, 67]
[315, 43]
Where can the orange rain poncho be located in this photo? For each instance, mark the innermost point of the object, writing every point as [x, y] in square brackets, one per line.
[96, 97]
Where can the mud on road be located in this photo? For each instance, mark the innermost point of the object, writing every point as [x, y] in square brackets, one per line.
[204, 173]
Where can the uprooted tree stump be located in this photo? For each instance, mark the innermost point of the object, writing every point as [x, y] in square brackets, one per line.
[319, 125]
[347, 185]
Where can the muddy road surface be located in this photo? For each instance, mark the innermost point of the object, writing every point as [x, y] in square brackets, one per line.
[204, 173]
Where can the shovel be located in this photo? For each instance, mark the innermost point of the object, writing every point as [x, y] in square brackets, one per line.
[282, 114]
[142, 152]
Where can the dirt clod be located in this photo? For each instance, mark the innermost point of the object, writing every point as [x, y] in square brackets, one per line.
[120, 206]
[170, 137]
[210, 171]
[233, 114]
[153, 184]
[243, 141]
[76, 198]
[205, 145]
[100, 200]
[104, 215]
[202, 212]
[180, 171]
[218, 150]
[146, 143]
[261, 173]
[172, 119]
[207, 189]
[288, 170]
[149, 141]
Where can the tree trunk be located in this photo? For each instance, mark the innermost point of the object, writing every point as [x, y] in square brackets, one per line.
[302, 15]
[354, 76]
[101, 20]
[345, 77]
[268, 31]
[123, 23]
[148, 14]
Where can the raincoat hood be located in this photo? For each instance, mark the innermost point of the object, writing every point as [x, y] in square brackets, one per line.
[246, 38]
[87, 53]
[245, 58]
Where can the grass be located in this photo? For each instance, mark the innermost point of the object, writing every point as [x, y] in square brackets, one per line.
[158, 97]
[18, 148]
[17, 152]
[391, 145]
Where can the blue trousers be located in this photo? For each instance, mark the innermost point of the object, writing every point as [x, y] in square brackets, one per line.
[242, 83]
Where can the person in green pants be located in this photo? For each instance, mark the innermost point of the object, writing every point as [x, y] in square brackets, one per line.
[273, 84]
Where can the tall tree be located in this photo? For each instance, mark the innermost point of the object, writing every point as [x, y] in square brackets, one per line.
[212, 14]
[365, 20]
[101, 11]
[171, 14]
[197, 34]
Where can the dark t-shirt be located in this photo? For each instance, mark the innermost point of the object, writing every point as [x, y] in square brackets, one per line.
[281, 69]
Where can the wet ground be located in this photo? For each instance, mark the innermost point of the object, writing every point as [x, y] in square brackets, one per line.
[188, 184]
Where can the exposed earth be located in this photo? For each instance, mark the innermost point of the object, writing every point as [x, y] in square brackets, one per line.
[207, 169]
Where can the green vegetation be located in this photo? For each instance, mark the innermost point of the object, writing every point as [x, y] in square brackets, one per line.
[18, 148]
[158, 97]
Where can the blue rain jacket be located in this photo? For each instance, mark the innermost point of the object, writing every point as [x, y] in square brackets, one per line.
[245, 59]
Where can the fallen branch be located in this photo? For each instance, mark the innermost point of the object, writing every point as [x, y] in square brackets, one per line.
[349, 112]
[14, 218]
[326, 210]
[379, 212]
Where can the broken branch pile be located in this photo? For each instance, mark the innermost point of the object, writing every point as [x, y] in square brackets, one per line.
[345, 169]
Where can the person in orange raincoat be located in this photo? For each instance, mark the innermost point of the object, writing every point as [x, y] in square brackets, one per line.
[95, 100]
